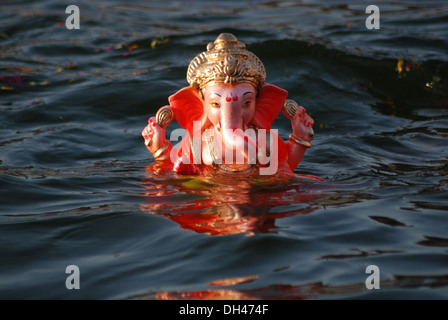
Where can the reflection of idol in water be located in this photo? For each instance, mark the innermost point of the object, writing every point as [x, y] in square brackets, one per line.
[233, 204]
[224, 204]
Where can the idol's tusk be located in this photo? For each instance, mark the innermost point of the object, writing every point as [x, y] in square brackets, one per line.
[164, 116]
[310, 132]
[290, 108]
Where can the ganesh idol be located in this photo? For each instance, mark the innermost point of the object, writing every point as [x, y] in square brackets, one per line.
[227, 112]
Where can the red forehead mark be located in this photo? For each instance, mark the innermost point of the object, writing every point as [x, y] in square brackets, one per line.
[235, 98]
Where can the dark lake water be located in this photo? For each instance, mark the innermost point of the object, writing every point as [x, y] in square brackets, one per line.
[78, 186]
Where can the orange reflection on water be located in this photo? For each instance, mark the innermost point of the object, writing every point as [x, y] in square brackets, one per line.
[224, 204]
[272, 292]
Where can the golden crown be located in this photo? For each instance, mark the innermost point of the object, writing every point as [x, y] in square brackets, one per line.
[227, 61]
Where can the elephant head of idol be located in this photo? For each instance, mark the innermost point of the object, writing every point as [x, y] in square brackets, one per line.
[229, 98]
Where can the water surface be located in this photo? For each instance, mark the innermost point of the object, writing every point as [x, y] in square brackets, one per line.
[78, 187]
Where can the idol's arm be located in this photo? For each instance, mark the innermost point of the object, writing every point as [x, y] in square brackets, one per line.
[300, 139]
[155, 140]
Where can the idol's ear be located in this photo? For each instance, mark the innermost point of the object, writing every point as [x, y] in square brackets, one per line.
[187, 107]
[268, 105]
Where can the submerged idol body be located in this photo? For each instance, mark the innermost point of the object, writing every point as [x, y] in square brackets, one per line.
[227, 112]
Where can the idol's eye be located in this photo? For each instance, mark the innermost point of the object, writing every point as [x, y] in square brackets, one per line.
[248, 103]
[215, 104]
